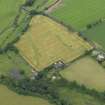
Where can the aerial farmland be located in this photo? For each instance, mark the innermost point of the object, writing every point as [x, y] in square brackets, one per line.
[33, 46]
[52, 52]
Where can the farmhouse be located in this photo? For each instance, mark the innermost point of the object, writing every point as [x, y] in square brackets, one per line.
[47, 42]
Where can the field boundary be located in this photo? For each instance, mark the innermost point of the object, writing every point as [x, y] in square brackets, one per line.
[53, 6]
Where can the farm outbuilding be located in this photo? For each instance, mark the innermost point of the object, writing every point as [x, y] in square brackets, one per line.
[101, 57]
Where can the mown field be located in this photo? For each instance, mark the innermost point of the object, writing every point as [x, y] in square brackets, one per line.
[7, 97]
[97, 34]
[79, 13]
[47, 42]
[86, 71]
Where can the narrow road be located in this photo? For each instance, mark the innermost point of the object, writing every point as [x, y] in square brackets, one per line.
[53, 6]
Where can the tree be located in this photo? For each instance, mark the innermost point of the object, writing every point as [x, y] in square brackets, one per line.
[89, 26]
[29, 2]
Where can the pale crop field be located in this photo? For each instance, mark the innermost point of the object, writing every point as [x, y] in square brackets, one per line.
[86, 71]
[12, 98]
[47, 41]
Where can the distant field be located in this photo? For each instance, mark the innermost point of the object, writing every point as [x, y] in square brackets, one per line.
[79, 13]
[8, 11]
[86, 71]
[11, 61]
[47, 42]
[7, 97]
[97, 34]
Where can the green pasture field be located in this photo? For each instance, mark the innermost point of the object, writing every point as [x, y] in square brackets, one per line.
[8, 97]
[78, 98]
[47, 42]
[86, 71]
[41, 5]
[79, 13]
[97, 34]
[11, 61]
[10, 33]
[8, 11]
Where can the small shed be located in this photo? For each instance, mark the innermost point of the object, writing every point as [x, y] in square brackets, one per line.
[59, 64]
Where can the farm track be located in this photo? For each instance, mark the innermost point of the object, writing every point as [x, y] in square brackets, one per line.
[53, 6]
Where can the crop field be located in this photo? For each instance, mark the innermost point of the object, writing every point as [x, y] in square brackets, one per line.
[79, 13]
[88, 72]
[47, 41]
[11, 61]
[8, 10]
[97, 34]
[16, 99]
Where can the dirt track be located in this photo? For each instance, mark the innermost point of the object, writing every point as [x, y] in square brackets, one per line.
[53, 6]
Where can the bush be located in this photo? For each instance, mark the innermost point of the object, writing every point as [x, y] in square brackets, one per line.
[89, 26]
[29, 2]
[11, 47]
